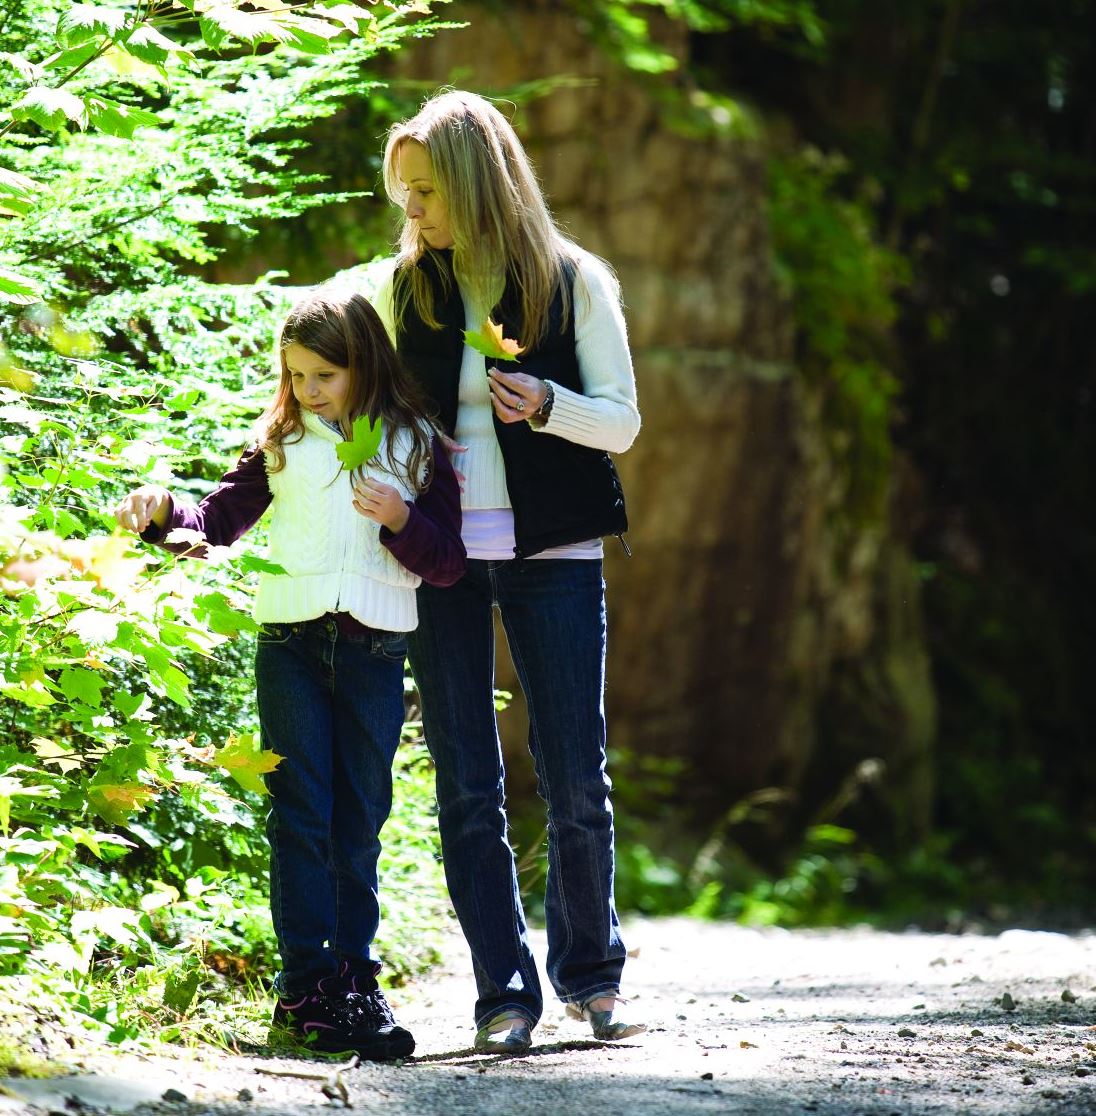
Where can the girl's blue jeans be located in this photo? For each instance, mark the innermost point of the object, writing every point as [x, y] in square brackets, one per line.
[553, 613]
[331, 705]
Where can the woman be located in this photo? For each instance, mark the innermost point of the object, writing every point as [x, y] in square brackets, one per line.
[539, 493]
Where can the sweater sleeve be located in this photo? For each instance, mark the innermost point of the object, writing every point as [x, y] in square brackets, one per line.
[234, 506]
[605, 414]
[382, 299]
[430, 544]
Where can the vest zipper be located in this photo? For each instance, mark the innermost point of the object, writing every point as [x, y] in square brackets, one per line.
[624, 543]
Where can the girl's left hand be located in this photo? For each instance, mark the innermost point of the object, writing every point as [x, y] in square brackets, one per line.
[514, 395]
[381, 503]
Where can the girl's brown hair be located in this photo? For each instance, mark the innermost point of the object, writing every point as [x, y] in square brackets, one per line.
[342, 327]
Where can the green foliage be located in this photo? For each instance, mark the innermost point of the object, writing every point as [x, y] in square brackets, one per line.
[622, 27]
[132, 851]
[842, 285]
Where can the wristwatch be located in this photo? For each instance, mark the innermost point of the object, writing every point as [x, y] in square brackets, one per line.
[545, 409]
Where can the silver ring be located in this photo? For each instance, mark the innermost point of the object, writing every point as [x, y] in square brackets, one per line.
[520, 405]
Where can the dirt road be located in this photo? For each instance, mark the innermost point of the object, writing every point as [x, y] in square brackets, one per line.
[761, 1022]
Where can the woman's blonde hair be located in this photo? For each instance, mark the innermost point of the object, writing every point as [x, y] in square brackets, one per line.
[342, 327]
[501, 226]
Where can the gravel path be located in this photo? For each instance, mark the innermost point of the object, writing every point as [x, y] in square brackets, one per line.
[762, 1022]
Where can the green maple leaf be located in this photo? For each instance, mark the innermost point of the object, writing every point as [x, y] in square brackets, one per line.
[363, 444]
[245, 760]
[491, 342]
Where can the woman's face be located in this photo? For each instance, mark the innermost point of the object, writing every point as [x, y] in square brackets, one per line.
[423, 205]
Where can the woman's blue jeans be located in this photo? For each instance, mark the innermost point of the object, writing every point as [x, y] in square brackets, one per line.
[553, 613]
[331, 705]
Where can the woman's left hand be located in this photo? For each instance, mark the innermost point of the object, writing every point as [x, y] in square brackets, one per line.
[514, 395]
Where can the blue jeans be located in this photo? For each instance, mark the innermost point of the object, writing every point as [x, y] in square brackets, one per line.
[331, 705]
[553, 612]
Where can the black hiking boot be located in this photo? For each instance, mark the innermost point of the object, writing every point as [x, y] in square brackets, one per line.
[345, 1012]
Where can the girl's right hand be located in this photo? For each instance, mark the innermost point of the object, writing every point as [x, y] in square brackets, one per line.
[144, 505]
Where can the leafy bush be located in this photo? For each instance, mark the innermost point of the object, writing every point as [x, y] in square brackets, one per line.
[133, 861]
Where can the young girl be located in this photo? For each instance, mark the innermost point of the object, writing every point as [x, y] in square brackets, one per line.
[329, 663]
[539, 493]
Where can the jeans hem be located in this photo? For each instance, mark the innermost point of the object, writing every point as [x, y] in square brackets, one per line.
[589, 994]
[502, 1009]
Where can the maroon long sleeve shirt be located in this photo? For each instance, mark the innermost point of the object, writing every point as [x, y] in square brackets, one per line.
[429, 545]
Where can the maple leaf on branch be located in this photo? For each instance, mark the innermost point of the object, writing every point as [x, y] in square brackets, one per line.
[245, 760]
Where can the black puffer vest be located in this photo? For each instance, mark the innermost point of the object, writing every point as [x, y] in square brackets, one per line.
[561, 492]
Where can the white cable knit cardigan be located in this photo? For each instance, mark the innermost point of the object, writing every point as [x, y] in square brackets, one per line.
[333, 557]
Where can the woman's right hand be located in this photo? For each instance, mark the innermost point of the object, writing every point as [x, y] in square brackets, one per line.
[144, 505]
[453, 447]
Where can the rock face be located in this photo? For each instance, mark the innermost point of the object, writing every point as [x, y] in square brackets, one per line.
[742, 600]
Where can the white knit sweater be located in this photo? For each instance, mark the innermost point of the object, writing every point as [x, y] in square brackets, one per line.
[604, 415]
[333, 557]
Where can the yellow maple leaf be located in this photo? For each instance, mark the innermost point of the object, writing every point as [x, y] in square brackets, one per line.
[245, 760]
[106, 561]
[115, 802]
[490, 341]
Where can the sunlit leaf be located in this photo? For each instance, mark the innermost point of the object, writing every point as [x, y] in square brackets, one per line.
[32, 693]
[129, 67]
[365, 440]
[79, 684]
[117, 119]
[86, 21]
[94, 626]
[217, 611]
[18, 193]
[18, 378]
[247, 27]
[490, 341]
[109, 560]
[244, 758]
[51, 109]
[22, 66]
[348, 15]
[14, 788]
[114, 802]
[149, 45]
[66, 60]
[20, 289]
[56, 754]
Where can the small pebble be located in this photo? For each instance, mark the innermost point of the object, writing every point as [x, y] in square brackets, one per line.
[173, 1096]
[1007, 1002]
[1068, 997]
[244, 1095]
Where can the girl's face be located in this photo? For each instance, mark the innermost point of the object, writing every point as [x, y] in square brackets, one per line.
[423, 205]
[318, 385]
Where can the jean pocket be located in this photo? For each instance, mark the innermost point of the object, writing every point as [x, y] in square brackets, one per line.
[275, 633]
[391, 646]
